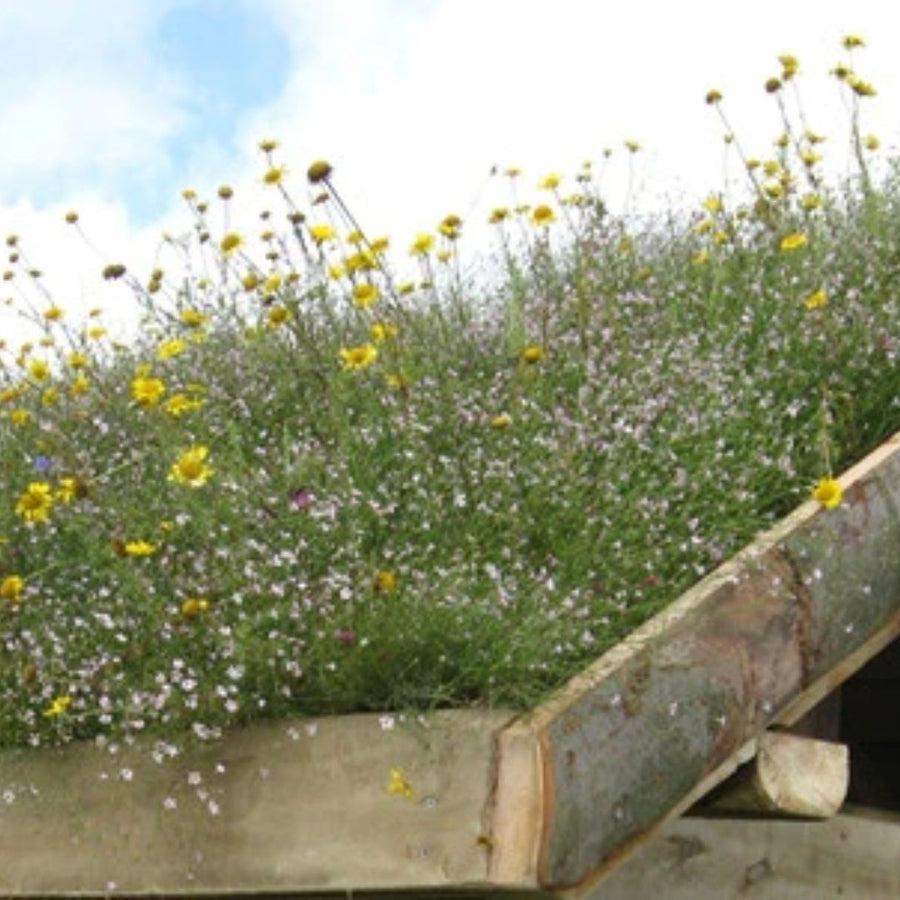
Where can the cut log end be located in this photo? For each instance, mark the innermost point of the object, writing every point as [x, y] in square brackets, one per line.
[790, 776]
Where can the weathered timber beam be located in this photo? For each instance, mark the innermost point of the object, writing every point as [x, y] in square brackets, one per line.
[791, 776]
[659, 720]
[854, 854]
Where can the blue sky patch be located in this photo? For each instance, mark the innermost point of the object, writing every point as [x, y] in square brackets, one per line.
[133, 112]
[233, 60]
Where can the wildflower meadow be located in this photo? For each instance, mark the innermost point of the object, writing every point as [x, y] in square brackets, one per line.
[318, 484]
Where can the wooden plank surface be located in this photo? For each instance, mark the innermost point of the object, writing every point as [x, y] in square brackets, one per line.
[276, 807]
[854, 855]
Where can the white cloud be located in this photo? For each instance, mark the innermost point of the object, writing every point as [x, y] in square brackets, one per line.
[70, 269]
[81, 95]
[413, 102]
[413, 108]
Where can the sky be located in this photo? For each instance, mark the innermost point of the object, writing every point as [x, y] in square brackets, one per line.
[112, 107]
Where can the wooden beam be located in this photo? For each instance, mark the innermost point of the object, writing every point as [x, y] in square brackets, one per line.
[791, 776]
[638, 737]
[851, 855]
[877, 641]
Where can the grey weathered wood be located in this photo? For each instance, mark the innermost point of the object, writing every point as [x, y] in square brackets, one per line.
[853, 855]
[790, 776]
[658, 721]
[279, 806]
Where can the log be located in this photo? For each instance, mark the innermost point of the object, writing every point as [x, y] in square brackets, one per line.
[663, 717]
[790, 777]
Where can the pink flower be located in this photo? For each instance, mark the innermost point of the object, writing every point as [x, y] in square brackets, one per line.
[301, 498]
[346, 636]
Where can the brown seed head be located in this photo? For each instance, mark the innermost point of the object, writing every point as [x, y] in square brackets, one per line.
[320, 170]
[113, 271]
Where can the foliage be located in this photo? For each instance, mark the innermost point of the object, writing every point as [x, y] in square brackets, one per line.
[310, 489]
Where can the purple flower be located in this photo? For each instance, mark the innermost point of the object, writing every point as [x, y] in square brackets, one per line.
[301, 498]
[42, 464]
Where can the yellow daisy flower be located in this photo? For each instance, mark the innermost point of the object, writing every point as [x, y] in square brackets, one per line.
[35, 503]
[829, 492]
[359, 357]
[190, 468]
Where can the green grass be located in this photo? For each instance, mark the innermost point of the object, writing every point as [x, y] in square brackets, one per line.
[535, 459]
